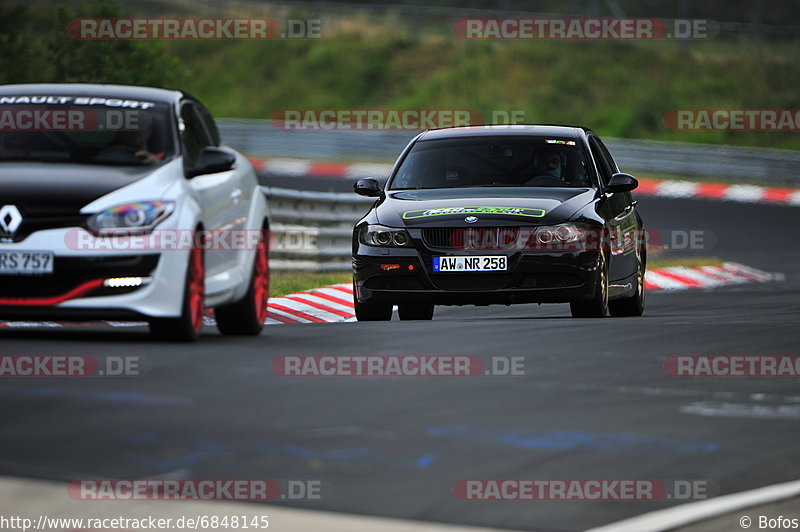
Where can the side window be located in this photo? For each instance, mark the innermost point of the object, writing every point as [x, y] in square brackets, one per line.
[607, 156]
[211, 126]
[193, 135]
[600, 160]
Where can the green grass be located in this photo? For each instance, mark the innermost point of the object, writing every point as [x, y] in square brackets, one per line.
[688, 262]
[618, 89]
[283, 283]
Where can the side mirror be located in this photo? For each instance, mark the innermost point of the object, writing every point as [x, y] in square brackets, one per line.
[212, 160]
[621, 183]
[368, 186]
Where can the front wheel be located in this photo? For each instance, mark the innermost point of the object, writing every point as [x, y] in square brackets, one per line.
[247, 317]
[634, 305]
[415, 312]
[187, 326]
[597, 307]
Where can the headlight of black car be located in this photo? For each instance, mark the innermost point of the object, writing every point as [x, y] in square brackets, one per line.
[379, 235]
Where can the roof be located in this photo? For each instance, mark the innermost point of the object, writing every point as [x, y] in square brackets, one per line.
[503, 130]
[126, 92]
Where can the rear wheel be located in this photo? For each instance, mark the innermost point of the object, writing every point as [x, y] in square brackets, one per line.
[634, 305]
[373, 312]
[246, 317]
[187, 326]
[415, 312]
[597, 307]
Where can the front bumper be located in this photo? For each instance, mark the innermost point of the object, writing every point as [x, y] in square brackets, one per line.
[74, 290]
[404, 275]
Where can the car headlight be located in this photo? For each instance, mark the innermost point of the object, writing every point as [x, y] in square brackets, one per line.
[138, 217]
[378, 235]
[558, 234]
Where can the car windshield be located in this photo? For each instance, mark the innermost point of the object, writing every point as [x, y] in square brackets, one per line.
[86, 134]
[534, 161]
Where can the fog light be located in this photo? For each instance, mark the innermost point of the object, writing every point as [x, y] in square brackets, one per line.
[125, 282]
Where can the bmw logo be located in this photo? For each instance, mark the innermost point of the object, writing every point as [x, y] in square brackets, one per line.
[471, 219]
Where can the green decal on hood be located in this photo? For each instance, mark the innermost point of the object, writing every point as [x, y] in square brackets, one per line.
[506, 211]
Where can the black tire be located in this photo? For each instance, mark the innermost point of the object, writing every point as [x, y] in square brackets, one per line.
[187, 326]
[373, 312]
[246, 317]
[415, 312]
[634, 305]
[597, 307]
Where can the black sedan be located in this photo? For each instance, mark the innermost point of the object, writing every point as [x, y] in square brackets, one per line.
[500, 215]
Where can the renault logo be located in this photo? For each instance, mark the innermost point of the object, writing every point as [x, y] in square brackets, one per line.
[10, 219]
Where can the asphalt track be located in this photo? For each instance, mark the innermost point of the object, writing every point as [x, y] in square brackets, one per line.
[595, 401]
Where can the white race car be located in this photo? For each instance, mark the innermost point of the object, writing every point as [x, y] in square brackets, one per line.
[119, 203]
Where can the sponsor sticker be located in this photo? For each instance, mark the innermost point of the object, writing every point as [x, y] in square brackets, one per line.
[460, 211]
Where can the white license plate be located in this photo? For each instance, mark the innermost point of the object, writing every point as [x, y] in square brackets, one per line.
[471, 264]
[26, 262]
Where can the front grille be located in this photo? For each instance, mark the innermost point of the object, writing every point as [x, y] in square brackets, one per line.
[471, 281]
[31, 224]
[550, 280]
[400, 282]
[70, 272]
[470, 238]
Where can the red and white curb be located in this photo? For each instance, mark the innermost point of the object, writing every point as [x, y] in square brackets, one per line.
[685, 278]
[647, 187]
[323, 305]
[718, 191]
[334, 303]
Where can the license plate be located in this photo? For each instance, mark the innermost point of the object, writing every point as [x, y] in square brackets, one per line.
[26, 262]
[471, 264]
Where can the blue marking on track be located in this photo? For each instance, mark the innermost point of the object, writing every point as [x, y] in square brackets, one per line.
[198, 450]
[562, 440]
[113, 397]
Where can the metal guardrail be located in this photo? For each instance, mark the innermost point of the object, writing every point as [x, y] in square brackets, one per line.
[757, 165]
[313, 231]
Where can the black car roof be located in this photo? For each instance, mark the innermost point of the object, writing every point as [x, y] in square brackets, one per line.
[126, 92]
[505, 130]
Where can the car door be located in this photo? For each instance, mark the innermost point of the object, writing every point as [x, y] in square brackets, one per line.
[243, 182]
[217, 193]
[619, 211]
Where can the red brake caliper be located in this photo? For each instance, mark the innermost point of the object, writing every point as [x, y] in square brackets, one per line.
[197, 289]
[261, 278]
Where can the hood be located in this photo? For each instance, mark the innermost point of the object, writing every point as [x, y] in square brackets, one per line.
[491, 206]
[46, 189]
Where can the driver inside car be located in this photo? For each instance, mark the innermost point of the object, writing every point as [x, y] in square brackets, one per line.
[549, 163]
[548, 167]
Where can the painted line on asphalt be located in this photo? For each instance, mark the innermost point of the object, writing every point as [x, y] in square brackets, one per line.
[686, 514]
